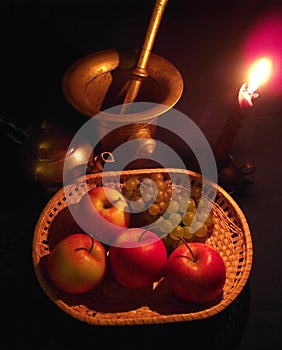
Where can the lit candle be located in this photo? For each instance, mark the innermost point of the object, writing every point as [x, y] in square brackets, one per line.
[258, 74]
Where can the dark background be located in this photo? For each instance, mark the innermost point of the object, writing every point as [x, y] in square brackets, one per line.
[206, 42]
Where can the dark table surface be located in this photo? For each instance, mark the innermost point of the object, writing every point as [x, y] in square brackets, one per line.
[208, 44]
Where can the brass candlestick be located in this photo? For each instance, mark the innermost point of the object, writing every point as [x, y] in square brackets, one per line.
[226, 138]
[232, 177]
[232, 124]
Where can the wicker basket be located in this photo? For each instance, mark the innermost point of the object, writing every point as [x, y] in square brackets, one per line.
[111, 304]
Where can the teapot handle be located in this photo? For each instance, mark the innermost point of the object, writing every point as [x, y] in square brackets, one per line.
[15, 133]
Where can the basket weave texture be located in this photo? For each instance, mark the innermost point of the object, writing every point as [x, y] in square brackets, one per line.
[112, 304]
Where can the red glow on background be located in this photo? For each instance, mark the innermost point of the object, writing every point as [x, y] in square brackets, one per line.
[265, 40]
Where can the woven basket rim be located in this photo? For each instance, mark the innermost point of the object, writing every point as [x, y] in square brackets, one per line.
[112, 320]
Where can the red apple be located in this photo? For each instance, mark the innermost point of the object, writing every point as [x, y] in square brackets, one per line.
[138, 258]
[77, 263]
[195, 273]
[103, 213]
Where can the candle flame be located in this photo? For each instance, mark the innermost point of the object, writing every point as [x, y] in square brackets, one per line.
[259, 73]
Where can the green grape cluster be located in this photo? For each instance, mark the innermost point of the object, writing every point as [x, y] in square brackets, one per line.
[186, 219]
[149, 196]
[174, 211]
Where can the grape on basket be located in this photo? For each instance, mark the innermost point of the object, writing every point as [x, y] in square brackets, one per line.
[175, 212]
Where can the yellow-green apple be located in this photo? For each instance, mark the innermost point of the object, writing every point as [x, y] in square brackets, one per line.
[77, 263]
[195, 273]
[103, 213]
[138, 258]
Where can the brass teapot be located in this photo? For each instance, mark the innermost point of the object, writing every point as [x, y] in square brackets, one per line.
[44, 150]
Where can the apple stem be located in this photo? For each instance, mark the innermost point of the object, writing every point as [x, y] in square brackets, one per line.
[139, 239]
[192, 254]
[89, 250]
[116, 200]
[112, 203]
[92, 243]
